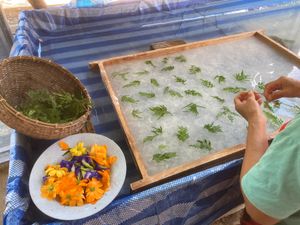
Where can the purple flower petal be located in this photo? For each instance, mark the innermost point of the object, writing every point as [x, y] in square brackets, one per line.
[66, 164]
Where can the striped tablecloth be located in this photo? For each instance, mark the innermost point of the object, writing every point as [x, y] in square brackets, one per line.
[74, 37]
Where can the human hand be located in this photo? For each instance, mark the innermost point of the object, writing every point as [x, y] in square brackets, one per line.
[248, 105]
[282, 87]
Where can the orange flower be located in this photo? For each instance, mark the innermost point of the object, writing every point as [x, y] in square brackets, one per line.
[98, 153]
[112, 160]
[63, 145]
[72, 197]
[105, 179]
[67, 182]
[93, 191]
[49, 189]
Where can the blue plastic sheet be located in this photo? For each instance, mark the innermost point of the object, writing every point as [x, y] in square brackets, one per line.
[73, 37]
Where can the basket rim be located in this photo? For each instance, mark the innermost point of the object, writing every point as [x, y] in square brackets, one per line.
[67, 73]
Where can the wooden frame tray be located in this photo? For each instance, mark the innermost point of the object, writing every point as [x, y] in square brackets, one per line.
[207, 161]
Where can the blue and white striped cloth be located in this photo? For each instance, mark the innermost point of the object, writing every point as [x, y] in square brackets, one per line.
[74, 37]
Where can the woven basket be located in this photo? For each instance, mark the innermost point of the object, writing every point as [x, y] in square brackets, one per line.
[20, 74]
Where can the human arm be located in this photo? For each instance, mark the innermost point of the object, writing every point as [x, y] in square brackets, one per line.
[282, 87]
[248, 105]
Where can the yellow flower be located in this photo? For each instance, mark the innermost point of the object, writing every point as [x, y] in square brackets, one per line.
[56, 171]
[78, 150]
[49, 189]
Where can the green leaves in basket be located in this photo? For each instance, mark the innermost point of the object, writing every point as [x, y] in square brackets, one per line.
[192, 93]
[154, 82]
[213, 128]
[134, 83]
[159, 157]
[180, 58]
[155, 132]
[54, 107]
[194, 69]
[172, 92]
[147, 94]
[234, 89]
[159, 111]
[203, 144]
[179, 80]
[182, 134]
[126, 98]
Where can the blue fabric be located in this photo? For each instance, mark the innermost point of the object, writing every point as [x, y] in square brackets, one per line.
[74, 37]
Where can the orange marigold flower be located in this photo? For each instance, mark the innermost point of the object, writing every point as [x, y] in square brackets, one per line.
[105, 179]
[98, 153]
[49, 190]
[67, 182]
[63, 145]
[112, 160]
[72, 197]
[93, 191]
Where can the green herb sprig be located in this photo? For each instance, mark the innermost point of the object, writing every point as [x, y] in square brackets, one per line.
[241, 76]
[159, 111]
[155, 132]
[226, 112]
[159, 157]
[120, 74]
[179, 80]
[182, 134]
[180, 58]
[234, 89]
[207, 83]
[193, 108]
[150, 63]
[221, 100]
[168, 68]
[172, 92]
[203, 144]
[261, 86]
[126, 98]
[147, 94]
[275, 120]
[165, 60]
[144, 72]
[213, 128]
[194, 69]
[134, 83]
[192, 93]
[154, 82]
[220, 79]
[136, 113]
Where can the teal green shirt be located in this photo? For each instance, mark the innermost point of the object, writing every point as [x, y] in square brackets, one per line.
[273, 184]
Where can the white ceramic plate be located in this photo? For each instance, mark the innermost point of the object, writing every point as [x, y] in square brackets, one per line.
[53, 155]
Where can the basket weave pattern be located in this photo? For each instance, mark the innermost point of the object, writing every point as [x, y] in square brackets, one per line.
[20, 74]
